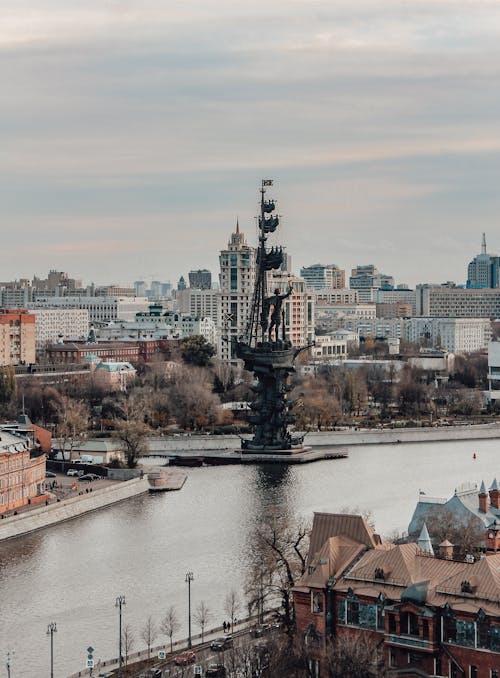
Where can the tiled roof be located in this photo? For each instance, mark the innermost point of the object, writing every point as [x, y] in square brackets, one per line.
[331, 561]
[326, 525]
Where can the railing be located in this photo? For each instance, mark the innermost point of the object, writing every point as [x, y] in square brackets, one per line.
[410, 642]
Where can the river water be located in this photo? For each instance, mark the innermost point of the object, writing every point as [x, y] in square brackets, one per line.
[142, 548]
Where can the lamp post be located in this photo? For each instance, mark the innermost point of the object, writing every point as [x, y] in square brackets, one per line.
[120, 602]
[7, 664]
[189, 579]
[51, 629]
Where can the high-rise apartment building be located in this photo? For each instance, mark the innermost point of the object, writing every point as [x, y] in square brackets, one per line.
[17, 337]
[483, 271]
[323, 276]
[200, 279]
[367, 280]
[457, 302]
[236, 281]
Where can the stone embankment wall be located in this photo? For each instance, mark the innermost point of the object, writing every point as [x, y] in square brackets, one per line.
[175, 445]
[45, 516]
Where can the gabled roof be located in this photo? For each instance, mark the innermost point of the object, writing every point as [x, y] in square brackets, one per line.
[331, 560]
[483, 577]
[326, 525]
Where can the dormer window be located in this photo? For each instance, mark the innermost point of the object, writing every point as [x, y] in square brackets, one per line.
[379, 573]
[466, 587]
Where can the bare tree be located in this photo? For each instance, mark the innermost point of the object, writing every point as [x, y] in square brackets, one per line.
[355, 657]
[134, 438]
[128, 641]
[202, 617]
[149, 633]
[279, 549]
[170, 624]
[72, 422]
[231, 606]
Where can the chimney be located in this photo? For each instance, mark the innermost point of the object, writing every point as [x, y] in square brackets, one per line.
[495, 495]
[483, 499]
[446, 549]
[492, 537]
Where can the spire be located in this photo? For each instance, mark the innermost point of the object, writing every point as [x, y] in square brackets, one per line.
[494, 485]
[424, 541]
[483, 244]
[482, 489]
[238, 226]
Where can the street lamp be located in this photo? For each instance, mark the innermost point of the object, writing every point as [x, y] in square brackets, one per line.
[189, 579]
[7, 664]
[120, 602]
[51, 629]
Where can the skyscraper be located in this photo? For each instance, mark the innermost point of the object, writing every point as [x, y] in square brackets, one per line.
[237, 279]
[483, 270]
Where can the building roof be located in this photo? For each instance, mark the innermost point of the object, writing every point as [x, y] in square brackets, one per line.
[327, 525]
[98, 445]
[10, 443]
[115, 367]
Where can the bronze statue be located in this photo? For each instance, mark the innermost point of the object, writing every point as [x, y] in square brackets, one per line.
[276, 302]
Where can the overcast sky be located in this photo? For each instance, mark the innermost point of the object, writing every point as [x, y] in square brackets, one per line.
[133, 133]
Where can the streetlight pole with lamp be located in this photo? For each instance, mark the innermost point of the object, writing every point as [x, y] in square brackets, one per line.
[189, 579]
[51, 629]
[120, 602]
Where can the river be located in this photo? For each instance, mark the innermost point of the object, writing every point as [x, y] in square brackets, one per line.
[142, 548]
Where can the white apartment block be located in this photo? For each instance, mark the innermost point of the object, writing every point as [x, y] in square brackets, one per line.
[340, 296]
[66, 323]
[456, 302]
[100, 309]
[172, 325]
[456, 335]
[494, 370]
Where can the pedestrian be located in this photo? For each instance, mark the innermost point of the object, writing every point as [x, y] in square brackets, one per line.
[224, 626]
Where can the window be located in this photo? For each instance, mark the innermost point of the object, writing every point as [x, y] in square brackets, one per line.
[392, 623]
[494, 673]
[393, 660]
[473, 672]
[317, 602]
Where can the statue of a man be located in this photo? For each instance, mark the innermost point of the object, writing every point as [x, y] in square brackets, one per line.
[276, 302]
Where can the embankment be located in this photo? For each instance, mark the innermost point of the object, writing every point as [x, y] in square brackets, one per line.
[164, 445]
[38, 518]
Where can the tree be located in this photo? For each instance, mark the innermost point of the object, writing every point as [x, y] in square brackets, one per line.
[72, 422]
[170, 624]
[134, 438]
[278, 560]
[352, 656]
[231, 606]
[128, 641]
[202, 616]
[149, 633]
[192, 402]
[195, 350]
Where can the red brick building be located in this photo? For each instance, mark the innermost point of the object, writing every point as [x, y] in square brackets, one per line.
[22, 479]
[17, 337]
[121, 351]
[426, 615]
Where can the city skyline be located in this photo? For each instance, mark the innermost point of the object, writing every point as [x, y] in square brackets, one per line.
[134, 135]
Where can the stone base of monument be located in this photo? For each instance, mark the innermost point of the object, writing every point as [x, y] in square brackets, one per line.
[301, 449]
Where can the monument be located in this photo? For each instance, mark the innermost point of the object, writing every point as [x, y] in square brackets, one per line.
[266, 351]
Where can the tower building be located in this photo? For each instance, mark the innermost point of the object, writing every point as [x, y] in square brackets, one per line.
[483, 270]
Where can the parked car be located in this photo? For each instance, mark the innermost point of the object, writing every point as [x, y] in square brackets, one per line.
[223, 643]
[216, 671]
[184, 658]
[49, 474]
[259, 631]
[89, 477]
[74, 472]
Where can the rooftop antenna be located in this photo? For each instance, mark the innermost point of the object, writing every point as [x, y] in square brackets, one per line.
[483, 244]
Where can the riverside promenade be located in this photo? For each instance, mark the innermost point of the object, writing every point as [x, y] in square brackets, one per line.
[213, 445]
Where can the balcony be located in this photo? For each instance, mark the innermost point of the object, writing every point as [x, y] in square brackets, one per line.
[410, 641]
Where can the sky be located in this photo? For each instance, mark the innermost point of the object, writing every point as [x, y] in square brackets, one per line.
[134, 133]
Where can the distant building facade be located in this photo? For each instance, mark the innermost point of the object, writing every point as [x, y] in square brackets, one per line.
[100, 309]
[483, 271]
[52, 324]
[443, 301]
[200, 279]
[367, 280]
[323, 276]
